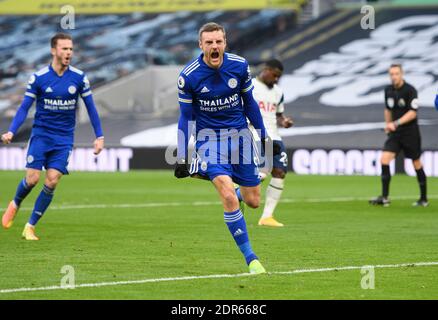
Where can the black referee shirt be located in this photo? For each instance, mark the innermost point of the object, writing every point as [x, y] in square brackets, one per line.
[400, 101]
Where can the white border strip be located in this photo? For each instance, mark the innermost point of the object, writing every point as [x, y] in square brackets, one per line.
[216, 276]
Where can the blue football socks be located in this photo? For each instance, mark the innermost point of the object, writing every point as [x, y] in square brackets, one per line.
[41, 204]
[23, 190]
[237, 226]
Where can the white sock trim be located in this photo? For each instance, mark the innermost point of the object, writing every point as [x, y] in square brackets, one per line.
[277, 183]
[273, 194]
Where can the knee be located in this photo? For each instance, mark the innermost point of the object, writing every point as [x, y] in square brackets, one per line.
[417, 164]
[32, 180]
[386, 158]
[230, 199]
[278, 173]
[51, 182]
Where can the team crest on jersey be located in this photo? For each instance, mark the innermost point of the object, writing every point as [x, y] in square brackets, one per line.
[72, 89]
[402, 103]
[31, 79]
[203, 166]
[181, 82]
[232, 83]
[30, 159]
[390, 102]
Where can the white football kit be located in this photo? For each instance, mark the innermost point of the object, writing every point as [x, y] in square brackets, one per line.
[271, 102]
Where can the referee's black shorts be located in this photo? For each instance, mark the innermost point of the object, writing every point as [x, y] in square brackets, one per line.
[408, 140]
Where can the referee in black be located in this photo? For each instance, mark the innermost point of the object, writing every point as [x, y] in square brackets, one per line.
[401, 102]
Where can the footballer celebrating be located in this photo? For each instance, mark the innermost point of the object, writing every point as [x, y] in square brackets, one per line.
[271, 102]
[403, 134]
[215, 91]
[55, 89]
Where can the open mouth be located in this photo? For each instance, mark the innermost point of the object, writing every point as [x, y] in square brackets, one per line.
[214, 55]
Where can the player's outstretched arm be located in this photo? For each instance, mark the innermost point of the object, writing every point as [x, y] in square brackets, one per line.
[185, 99]
[252, 112]
[185, 117]
[436, 102]
[18, 120]
[95, 122]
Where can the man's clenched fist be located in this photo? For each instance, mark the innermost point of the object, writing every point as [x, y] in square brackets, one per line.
[7, 137]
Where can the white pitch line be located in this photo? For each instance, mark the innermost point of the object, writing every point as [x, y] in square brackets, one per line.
[126, 205]
[381, 266]
[216, 276]
[207, 203]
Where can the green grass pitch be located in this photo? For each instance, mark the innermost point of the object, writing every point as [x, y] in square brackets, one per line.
[149, 225]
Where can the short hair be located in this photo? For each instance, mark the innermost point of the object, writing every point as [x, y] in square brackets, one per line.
[210, 27]
[396, 65]
[274, 64]
[59, 36]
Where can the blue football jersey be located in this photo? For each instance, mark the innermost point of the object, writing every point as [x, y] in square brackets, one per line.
[215, 94]
[56, 100]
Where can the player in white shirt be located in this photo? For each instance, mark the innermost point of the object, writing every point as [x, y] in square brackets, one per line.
[271, 101]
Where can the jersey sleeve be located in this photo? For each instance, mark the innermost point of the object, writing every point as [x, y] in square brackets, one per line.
[185, 96]
[85, 87]
[386, 99]
[413, 99]
[185, 100]
[32, 87]
[29, 97]
[246, 79]
[280, 106]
